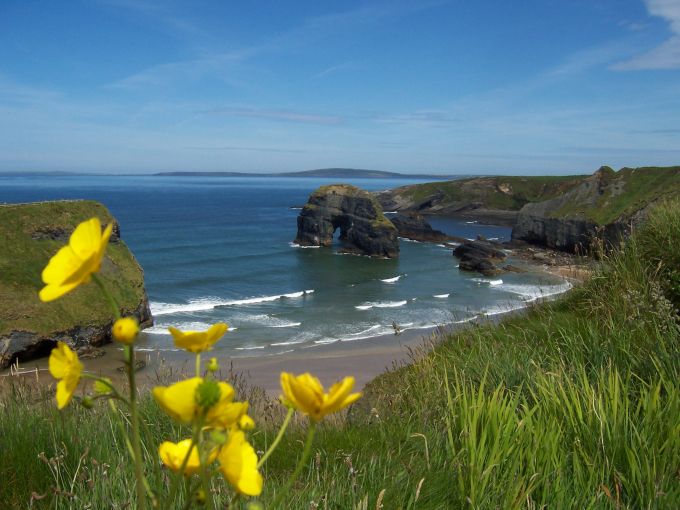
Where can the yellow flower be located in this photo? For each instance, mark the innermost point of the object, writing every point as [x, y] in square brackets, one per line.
[65, 365]
[238, 463]
[173, 454]
[74, 263]
[125, 330]
[246, 423]
[305, 393]
[198, 341]
[179, 401]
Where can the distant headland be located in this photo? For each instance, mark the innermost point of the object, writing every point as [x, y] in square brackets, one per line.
[340, 173]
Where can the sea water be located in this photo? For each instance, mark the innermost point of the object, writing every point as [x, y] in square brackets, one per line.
[220, 249]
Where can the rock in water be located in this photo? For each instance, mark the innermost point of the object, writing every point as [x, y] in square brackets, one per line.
[31, 234]
[364, 229]
[480, 256]
[414, 226]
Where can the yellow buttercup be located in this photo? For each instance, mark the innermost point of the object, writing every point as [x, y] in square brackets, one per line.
[306, 394]
[238, 463]
[125, 330]
[173, 455]
[74, 263]
[65, 366]
[198, 341]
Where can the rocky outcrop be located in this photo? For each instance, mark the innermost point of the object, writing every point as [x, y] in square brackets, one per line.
[480, 256]
[364, 229]
[412, 225]
[31, 234]
[570, 222]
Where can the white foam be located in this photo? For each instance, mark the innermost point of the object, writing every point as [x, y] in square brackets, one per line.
[288, 325]
[441, 296]
[390, 212]
[324, 341]
[441, 245]
[505, 308]
[534, 292]
[209, 303]
[254, 347]
[296, 245]
[292, 342]
[408, 240]
[183, 326]
[392, 280]
[492, 283]
[372, 328]
[470, 222]
[381, 304]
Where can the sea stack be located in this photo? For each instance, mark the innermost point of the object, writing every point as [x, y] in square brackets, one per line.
[364, 229]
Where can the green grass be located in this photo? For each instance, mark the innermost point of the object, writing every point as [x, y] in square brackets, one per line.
[23, 256]
[626, 191]
[502, 192]
[575, 404]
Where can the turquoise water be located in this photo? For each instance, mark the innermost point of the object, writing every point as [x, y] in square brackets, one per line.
[219, 249]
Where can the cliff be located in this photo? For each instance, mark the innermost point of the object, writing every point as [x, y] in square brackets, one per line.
[364, 229]
[31, 234]
[496, 199]
[604, 207]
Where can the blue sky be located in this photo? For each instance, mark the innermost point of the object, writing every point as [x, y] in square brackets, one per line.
[455, 87]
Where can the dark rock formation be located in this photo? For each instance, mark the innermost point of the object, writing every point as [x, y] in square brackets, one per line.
[414, 226]
[562, 223]
[480, 256]
[364, 229]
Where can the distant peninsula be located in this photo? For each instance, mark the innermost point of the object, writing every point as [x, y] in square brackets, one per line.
[339, 173]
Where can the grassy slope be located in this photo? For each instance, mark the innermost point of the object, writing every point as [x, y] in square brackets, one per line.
[574, 405]
[23, 258]
[486, 190]
[640, 187]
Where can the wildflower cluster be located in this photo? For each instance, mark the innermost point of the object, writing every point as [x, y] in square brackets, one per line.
[219, 424]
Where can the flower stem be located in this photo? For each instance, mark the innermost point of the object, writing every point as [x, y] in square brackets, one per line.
[301, 464]
[278, 438]
[134, 418]
[198, 364]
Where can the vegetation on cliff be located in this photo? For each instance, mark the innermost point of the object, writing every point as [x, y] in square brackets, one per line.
[622, 194]
[31, 234]
[502, 192]
[573, 405]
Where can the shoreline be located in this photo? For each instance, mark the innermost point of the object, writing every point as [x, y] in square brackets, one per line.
[363, 359]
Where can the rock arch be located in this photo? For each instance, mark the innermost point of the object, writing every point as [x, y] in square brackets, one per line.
[364, 229]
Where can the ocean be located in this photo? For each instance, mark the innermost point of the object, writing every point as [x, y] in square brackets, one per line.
[220, 249]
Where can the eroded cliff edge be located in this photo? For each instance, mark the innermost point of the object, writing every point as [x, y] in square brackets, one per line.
[31, 234]
[364, 229]
[599, 212]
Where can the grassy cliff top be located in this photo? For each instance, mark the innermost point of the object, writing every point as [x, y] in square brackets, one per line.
[31, 234]
[500, 192]
[620, 194]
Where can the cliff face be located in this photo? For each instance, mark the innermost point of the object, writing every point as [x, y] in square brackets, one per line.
[495, 199]
[364, 229]
[31, 234]
[604, 207]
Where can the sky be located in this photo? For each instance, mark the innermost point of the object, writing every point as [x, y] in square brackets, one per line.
[520, 87]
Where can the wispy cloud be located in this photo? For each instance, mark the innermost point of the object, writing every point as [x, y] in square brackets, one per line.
[310, 31]
[274, 114]
[666, 55]
[335, 69]
[420, 117]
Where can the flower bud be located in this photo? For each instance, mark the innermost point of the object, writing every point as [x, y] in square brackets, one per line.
[125, 330]
[213, 365]
[218, 437]
[200, 497]
[207, 393]
[87, 402]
